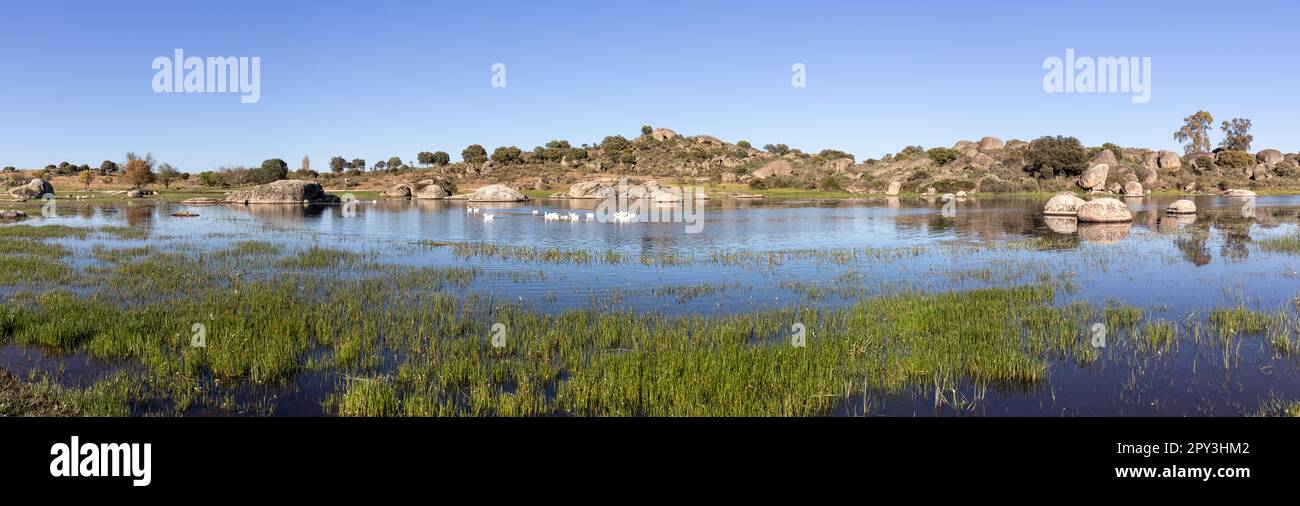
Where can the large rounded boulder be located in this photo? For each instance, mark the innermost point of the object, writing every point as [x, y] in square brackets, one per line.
[779, 168]
[1063, 205]
[601, 189]
[1269, 157]
[497, 193]
[287, 191]
[1170, 161]
[398, 190]
[429, 190]
[1095, 176]
[990, 143]
[1181, 206]
[34, 189]
[1133, 189]
[1104, 210]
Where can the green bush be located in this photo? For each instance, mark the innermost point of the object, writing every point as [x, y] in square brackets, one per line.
[1049, 156]
[909, 153]
[1286, 169]
[1116, 149]
[951, 185]
[830, 184]
[744, 144]
[833, 154]
[506, 155]
[992, 185]
[1235, 159]
[941, 156]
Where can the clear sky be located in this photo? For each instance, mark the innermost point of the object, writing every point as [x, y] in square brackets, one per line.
[376, 79]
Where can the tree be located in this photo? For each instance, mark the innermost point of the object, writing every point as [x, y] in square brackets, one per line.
[1236, 135]
[359, 164]
[379, 165]
[441, 158]
[1195, 133]
[306, 164]
[271, 170]
[614, 146]
[139, 172]
[337, 163]
[646, 130]
[474, 154]
[107, 167]
[425, 158]
[506, 155]
[209, 178]
[776, 149]
[86, 177]
[167, 174]
[1050, 156]
[394, 163]
[744, 144]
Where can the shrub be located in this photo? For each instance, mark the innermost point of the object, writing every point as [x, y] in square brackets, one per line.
[994, 185]
[1235, 159]
[909, 152]
[833, 154]
[1286, 169]
[507, 155]
[646, 130]
[1203, 164]
[1049, 156]
[744, 144]
[951, 185]
[941, 156]
[919, 175]
[830, 184]
[776, 149]
[441, 158]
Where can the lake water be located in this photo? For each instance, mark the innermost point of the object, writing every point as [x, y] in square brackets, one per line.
[752, 255]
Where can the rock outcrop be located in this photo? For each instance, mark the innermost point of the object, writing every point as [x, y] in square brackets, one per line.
[497, 193]
[894, 188]
[1063, 205]
[34, 189]
[1182, 206]
[779, 168]
[1104, 210]
[288, 191]
[1094, 177]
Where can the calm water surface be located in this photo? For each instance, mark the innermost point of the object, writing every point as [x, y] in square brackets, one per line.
[1172, 268]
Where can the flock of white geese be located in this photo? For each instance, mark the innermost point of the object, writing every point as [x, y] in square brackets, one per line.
[619, 217]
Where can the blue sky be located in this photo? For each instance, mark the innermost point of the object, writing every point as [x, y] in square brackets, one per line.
[377, 79]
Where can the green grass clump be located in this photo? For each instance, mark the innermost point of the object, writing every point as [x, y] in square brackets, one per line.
[1158, 334]
[1230, 322]
[368, 397]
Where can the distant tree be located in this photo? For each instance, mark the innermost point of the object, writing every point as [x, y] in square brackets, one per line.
[10, 168]
[379, 165]
[474, 154]
[394, 163]
[425, 158]
[86, 177]
[167, 174]
[941, 156]
[614, 146]
[359, 164]
[506, 155]
[744, 144]
[337, 164]
[833, 154]
[1236, 135]
[306, 164]
[83, 167]
[776, 149]
[646, 130]
[139, 172]
[209, 178]
[1195, 133]
[1050, 156]
[440, 158]
[271, 170]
